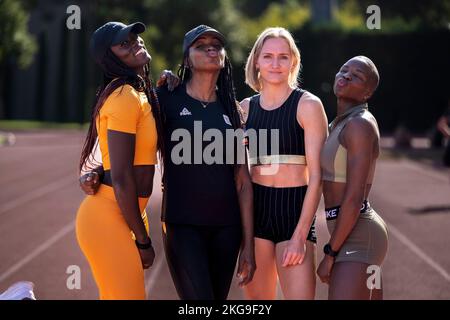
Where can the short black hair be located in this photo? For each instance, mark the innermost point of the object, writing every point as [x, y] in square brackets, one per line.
[374, 75]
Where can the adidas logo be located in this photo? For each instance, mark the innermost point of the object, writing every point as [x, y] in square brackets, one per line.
[185, 112]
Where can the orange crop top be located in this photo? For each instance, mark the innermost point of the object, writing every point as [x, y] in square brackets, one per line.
[127, 110]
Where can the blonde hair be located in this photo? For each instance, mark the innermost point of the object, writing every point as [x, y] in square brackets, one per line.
[251, 72]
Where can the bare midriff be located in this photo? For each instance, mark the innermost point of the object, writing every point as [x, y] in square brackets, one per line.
[280, 175]
[333, 193]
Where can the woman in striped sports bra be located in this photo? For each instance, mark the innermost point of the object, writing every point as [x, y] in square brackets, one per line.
[286, 179]
[358, 241]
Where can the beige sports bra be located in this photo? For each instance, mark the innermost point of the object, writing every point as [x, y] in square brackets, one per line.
[333, 158]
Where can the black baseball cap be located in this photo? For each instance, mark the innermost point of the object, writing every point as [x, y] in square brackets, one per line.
[110, 34]
[194, 34]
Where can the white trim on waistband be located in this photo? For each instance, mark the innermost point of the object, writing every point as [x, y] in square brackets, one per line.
[278, 159]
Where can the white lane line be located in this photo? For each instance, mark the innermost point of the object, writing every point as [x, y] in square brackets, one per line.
[443, 176]
[407, 242]
[37, 193]
[53, 146]
[47, 244]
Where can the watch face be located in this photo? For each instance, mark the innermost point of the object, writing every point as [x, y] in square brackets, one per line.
[327, 250]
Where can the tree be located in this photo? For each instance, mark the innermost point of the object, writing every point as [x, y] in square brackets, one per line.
[399, 15]
[15, 40]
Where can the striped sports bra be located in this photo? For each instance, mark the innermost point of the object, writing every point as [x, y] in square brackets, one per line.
[275, 136]
[333, 159]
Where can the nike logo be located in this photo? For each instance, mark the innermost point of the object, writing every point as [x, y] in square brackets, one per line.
[227, 120]
[350, 252]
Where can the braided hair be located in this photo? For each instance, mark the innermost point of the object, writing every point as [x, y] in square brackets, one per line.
[225, 90]
[156, 111]
[117, 74]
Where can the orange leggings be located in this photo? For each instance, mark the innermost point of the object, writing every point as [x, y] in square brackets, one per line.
[108, 244]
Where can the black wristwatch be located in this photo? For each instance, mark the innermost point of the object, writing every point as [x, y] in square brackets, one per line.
[328, 251]
[143, 246]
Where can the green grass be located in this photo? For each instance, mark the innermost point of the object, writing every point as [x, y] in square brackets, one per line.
[36, 125]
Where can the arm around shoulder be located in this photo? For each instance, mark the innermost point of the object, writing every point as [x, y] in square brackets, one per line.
[245, 108]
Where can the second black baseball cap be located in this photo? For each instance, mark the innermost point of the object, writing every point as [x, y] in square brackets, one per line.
[194, 34]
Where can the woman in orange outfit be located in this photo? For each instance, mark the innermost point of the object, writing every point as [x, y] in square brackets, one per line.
[111, 226]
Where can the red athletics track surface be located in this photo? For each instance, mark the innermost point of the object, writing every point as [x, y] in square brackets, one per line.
[40, 195]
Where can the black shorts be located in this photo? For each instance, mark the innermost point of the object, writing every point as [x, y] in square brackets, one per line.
[277, 212]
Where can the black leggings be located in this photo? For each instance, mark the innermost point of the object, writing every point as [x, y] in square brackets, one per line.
[202, 259]
[446, 156]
